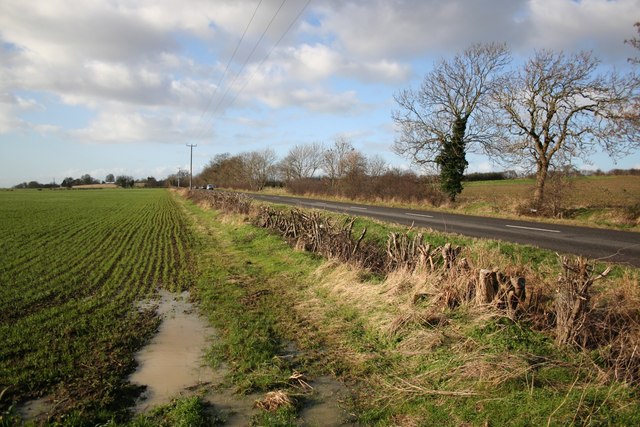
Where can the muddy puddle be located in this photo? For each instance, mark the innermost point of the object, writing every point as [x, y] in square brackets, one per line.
[37, 409]
[173, 363]
[325, 406]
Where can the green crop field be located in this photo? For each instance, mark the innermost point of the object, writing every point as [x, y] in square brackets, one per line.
[73, 264]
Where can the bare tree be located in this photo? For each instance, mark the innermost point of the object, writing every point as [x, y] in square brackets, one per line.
[224, 170]
[259, 167]
[302, 161]
[635, 42]
[377, 166]
[354, 163]
[334, 161]
[439, 122]
[557, 107]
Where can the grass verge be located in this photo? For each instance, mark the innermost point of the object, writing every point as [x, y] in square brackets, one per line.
[248, 284]
[409, 362]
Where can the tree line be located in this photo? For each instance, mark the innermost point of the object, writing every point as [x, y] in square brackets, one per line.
[339, 169]
[336, 169]
[539, 117]
[553, 108]
[124, 181]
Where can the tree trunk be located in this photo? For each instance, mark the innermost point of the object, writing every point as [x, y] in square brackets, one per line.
[486, 287]
[541, 178]
[452, 159]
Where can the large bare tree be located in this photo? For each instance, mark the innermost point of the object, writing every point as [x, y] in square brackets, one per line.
[557, 107]
[447, 115]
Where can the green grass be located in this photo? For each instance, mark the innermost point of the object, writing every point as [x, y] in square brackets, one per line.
[184, 412]
[80, 260]
[245, 277]
[513, 374]
[73, 266]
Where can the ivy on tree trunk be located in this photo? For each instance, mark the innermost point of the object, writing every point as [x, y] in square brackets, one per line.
[452, 160]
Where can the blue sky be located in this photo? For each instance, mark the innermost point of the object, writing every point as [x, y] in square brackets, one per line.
[121, 87]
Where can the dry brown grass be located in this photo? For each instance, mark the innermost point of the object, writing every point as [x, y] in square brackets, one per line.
[417, 308]
[615, 328]
[93, 186]
[602, 191]
[274, 400]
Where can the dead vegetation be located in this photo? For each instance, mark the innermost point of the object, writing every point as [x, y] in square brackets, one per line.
[424, 284]
[274, 400]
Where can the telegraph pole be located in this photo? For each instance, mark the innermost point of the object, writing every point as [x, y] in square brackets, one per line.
[191, 164]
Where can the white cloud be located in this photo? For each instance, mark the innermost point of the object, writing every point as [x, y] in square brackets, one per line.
[401, 29]
[320, 101]
[130, 60]
[483, 166]
[132, 126]
[10, 108]
[587, 24]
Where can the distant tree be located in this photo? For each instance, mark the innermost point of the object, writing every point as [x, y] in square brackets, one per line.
[110, 178]
[225, 170]
[302, 161]
[259, 168]
[377, 166]
[68, 182]
[448, 115]
[178, 179]
[557, 107]
[87, 179]
[334, 160]
[354, 179]
[125, 181]
[151, 182]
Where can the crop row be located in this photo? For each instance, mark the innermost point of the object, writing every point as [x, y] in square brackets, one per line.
[73, 266]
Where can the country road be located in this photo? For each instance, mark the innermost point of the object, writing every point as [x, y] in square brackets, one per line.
[608, 245]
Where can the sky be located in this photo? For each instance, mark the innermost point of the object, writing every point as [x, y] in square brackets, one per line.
[122, 86]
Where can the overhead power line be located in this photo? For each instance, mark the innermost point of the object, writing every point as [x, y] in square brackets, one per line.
[246, 61]
[217, 107]
[269, 53]
[233, 55]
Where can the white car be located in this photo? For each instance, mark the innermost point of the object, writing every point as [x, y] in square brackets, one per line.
[210, 186]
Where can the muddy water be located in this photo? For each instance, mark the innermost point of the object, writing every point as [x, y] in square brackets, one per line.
[173, 361]
[321, 407]
[36, 410]
[172, 365]
[324, 407]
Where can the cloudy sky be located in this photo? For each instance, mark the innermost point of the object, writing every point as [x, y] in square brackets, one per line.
[121, 86]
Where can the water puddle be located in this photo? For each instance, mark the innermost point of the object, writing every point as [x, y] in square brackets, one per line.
[325, 406]
[172, 363]
[36, 410]
[231, 409]
[322, 406]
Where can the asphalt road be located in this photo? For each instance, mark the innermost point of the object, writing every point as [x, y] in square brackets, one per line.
[595, 243]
